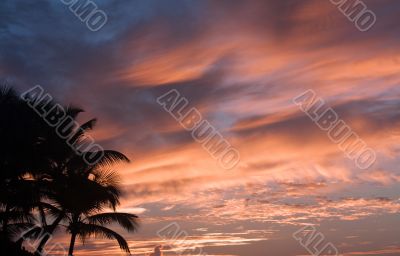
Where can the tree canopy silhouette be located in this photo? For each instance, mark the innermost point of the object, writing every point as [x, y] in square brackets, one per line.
[40, 172]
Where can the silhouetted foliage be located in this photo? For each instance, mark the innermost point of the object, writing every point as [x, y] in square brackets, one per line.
[40, 171]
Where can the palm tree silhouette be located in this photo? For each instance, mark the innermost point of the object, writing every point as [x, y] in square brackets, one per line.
[84, 225]
[79, 203]
[40, 171]
[79, 189]
[19, 150]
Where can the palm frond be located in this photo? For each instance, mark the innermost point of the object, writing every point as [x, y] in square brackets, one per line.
[16, 216]
[7, 93]
[32, 233]
[82, 130]
[110, 157]
[73, 112]
[105, 195]
[106, 177]
[126, 220]
[88, 230]
[15, 229]
[52, 210]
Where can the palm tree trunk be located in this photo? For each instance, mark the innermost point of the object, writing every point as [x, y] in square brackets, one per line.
[72, 244]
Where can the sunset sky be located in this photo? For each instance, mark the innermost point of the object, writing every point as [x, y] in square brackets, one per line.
[240, 64]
